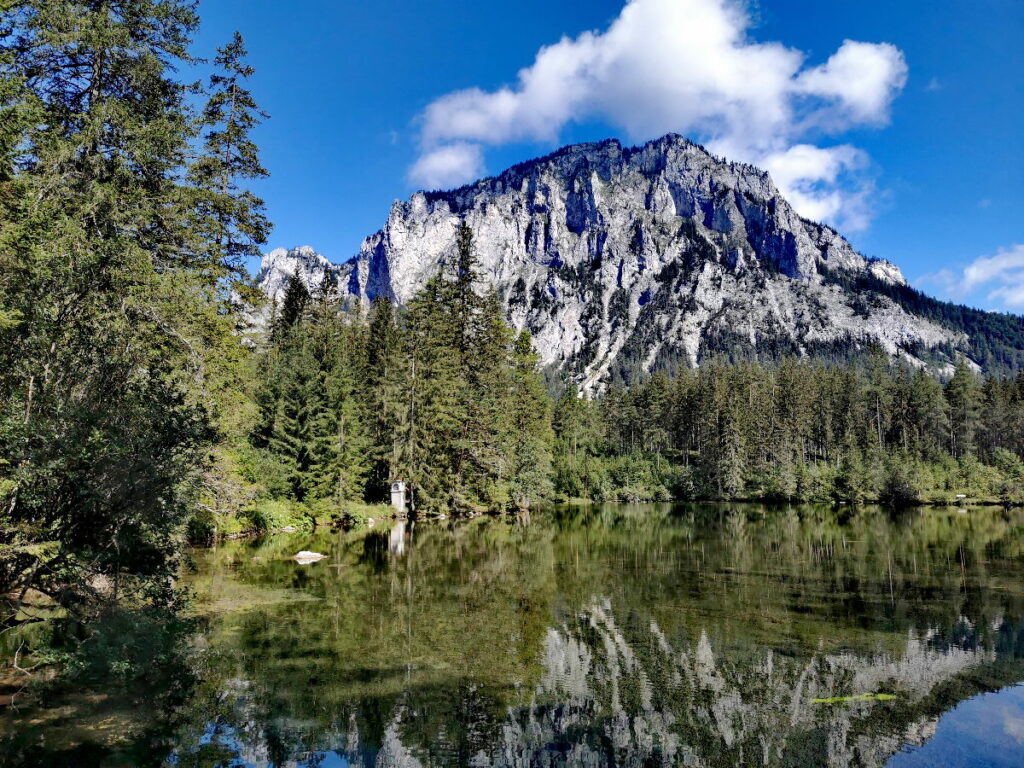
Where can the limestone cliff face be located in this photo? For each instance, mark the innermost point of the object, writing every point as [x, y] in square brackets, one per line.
[620, 260]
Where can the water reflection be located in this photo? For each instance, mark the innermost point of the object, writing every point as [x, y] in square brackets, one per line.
[396, 538]
[626, 635]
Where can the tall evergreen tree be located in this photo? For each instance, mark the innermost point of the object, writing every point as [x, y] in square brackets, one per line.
[529, 427]
[964, 397]
[230, 217]
[111, 318]
[383, 350]
[293, 309]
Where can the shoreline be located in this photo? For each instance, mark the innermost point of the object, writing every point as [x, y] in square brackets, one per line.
[387, 513]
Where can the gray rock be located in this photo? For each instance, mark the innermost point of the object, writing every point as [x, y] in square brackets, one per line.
[622, 260]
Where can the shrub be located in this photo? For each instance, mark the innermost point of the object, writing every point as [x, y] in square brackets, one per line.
[272, 514]
[901, 487]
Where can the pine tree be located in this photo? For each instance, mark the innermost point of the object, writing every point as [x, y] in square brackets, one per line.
[929, 416]
[964, 397]
[231, 217]
[298, 412]
[529, 420]
[340, 442]
[430, 412]
[293, 307]
[383, 348]
[483, 463]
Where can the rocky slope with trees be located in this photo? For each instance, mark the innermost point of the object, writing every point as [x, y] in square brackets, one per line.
[624, 261]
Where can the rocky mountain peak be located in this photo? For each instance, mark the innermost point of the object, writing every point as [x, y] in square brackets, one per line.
[280, 264]
[621, 260]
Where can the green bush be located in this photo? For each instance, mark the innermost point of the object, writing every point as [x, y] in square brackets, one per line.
[901, 486]
[274, 514]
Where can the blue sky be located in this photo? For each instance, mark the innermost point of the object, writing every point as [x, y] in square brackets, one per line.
[908, 138]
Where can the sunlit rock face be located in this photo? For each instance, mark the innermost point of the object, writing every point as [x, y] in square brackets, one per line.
[281, 263]
[621, 260]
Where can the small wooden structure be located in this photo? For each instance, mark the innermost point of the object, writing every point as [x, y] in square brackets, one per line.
[398, 496]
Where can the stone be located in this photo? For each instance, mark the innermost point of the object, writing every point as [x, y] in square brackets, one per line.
[305, 557]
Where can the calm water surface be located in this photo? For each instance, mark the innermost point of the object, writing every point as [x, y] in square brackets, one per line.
[627, 635]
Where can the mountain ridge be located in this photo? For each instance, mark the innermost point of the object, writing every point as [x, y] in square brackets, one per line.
[622, 260]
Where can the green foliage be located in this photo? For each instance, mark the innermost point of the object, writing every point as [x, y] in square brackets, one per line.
[997, 339]
[120, 361]
[438, 395]
[274, 514]
[796, 431]
[230, 218]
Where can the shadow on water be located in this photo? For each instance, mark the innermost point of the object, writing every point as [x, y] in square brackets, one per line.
[716, 635]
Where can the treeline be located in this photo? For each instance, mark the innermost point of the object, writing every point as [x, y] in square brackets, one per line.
[797, 431]
[440, 395]
[997, 338]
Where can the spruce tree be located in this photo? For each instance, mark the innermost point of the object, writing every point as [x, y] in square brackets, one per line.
[529, 424]
[116, 311]
[294, 305]
[964, 397]
[383, 348]
[230, 216]
[296, 412]
[483, 463]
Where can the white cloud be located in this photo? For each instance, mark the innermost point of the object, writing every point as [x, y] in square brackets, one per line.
[861, 79]
[448, 165]
[1001, 277]
[810, 177]
[686, 66]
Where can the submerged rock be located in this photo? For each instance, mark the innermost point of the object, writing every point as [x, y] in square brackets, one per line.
[305, 556]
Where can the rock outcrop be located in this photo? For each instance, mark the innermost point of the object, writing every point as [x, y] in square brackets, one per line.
[624, 260]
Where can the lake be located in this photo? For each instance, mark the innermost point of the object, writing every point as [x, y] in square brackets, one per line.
[627, 635]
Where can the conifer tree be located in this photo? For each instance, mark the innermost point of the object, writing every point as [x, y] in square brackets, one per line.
[383, 348]
[529, 422]
[430, 416]
[964, 397]
[297, 411]
[117, 312]
[293, 307]
[230, 216]
[484, 455]
[340, 443]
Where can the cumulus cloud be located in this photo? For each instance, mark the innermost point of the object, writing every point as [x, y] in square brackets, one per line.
[687, 66]
[810, 177]
[1000, 277]
[448, 165]
[860, 80]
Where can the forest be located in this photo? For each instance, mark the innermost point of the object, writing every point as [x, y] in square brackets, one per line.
[150, 399]
[459, 410]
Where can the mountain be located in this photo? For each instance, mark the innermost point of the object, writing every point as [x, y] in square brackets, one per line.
[626, 260]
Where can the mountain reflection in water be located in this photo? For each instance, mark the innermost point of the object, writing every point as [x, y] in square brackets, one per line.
[627, 635]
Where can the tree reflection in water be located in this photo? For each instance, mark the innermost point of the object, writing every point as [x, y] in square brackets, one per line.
[705, 635]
